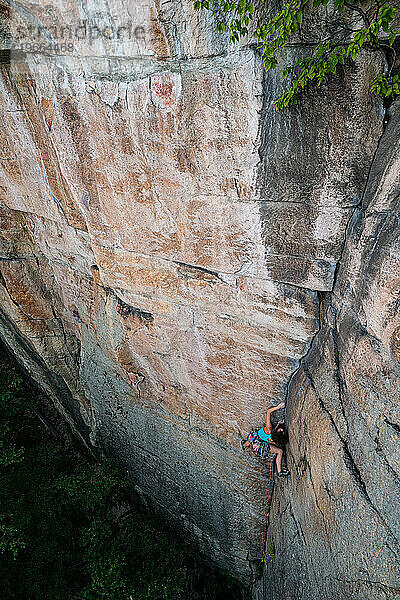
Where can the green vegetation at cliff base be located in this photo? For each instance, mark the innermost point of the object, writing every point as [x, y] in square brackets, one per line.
[66, 529]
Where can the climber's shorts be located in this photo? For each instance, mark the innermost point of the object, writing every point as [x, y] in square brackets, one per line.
[259, 446]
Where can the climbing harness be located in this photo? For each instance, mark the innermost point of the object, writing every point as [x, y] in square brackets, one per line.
[258, 445]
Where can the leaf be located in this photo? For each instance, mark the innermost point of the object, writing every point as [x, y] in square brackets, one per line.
[275, 34]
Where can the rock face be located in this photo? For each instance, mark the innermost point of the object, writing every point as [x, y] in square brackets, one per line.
[335, 526]
[169, 246]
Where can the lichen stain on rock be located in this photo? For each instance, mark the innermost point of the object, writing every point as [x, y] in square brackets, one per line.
[25, 292]
[166, 89]
[396, 343]
[186, 159]
[48, 106]
[186, 306]
[159, 40]
[54, 179]
[80, 139]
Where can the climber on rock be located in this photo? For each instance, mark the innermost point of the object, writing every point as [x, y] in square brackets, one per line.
[268, 438]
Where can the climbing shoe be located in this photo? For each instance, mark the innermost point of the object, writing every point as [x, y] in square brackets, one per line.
[284, 473]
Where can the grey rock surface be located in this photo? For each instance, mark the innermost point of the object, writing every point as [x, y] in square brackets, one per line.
[335, 524]
[174, 254]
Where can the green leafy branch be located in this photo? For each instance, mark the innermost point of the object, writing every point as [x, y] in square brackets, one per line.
[377, 31]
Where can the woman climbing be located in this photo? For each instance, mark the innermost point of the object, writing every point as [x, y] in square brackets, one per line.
[269, 438]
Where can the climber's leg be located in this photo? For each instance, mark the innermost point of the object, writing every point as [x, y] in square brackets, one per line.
[279, 454]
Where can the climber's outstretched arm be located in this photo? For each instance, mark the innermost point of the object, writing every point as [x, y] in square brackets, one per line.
[268, 426]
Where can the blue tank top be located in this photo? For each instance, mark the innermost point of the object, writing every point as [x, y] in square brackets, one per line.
[264, 436]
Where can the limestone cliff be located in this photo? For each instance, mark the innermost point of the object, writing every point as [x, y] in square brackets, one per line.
[169, 247]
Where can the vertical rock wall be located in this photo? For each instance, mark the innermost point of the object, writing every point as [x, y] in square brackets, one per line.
[166, 239]
[335, 525]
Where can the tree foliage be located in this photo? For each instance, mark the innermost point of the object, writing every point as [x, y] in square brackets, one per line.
[62, 532]
[368, 24]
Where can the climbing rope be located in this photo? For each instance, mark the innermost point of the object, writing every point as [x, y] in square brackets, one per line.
[271, 470]
[265, 538]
